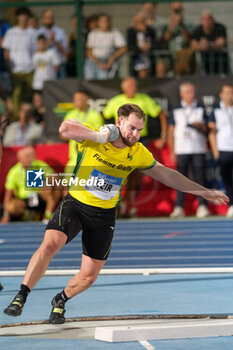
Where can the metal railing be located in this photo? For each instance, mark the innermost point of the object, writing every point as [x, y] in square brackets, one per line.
[79, 6]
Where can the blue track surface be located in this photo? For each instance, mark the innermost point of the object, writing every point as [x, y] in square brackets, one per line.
[143, 243]
[124, 295]
[136, 244]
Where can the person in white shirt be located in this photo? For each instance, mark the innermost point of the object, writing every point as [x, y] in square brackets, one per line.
[19, 44]
[25, 131]
[104, 48]
[188, 144]
[46, 64]
[220, 123]
[56, 37]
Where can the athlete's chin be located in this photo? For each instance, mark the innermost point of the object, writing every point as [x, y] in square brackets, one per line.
[130, 142]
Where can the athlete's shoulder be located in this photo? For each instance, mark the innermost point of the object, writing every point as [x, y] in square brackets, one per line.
[138, 148]
[143, 158]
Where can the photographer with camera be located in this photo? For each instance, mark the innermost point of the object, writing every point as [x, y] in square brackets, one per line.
[177, 34]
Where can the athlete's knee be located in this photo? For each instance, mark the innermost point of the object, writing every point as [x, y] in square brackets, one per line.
[88, 279]
[49, 248]
[53, 241]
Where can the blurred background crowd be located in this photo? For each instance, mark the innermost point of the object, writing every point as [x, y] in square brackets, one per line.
[36, 48]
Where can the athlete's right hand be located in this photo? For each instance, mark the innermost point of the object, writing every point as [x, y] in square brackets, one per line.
[103, 134]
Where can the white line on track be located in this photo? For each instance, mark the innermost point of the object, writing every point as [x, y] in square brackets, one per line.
[75, 246]
[146, 345]
[136, 251]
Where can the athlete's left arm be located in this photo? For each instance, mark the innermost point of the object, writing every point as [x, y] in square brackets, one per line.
[176, 180]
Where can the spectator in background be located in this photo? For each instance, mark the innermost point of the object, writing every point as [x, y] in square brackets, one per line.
[38, 108]
[161, 70]
[104, 48]
[45, 62]
[19, 44]
[21, 203]
[141, 40]
[5, 81]
[56, 39]
[210, 39]
[177, 33]
[152, 110]
[220, 124]
[83, 114]
[25, 131]
[33, 23]
[188, 145]
[149, 10]
[90, 23]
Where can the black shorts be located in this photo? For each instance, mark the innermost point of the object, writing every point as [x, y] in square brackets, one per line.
[97, 224]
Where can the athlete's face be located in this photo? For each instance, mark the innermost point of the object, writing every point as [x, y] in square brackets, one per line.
[130, 129]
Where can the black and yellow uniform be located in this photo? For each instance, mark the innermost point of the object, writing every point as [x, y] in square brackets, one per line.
[98, 177]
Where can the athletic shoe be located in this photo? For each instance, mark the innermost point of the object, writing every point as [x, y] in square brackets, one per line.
[58, 311]
[178, 212]
[230, 212]
[202, 212]
[16, 306]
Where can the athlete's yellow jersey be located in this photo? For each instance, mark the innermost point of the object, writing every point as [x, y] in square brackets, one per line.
[102, 170]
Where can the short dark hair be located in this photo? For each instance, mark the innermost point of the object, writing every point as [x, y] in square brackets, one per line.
[125, 110]
[41, 37]
[23, 11]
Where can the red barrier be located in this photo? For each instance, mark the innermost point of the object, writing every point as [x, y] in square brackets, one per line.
[155, 199]
[158, 200]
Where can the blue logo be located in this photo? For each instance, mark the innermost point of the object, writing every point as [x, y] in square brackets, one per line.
[35, 178]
